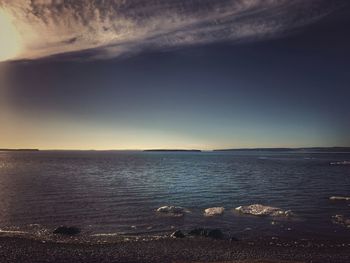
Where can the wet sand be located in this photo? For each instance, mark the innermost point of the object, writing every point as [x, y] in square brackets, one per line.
[16, 249]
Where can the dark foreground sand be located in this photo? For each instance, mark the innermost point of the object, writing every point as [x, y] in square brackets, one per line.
[15, 249]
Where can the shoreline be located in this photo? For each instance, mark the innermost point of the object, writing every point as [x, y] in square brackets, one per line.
[24, 249]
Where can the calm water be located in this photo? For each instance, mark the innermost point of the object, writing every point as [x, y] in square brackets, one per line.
[117, 192]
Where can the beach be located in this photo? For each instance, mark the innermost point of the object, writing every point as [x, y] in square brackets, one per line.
[16, 249]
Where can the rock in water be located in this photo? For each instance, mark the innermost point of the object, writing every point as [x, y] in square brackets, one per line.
[339, 198]
[215, 233]
[69, 231]
[214, 211]
[196, 232]
[177, 234]
[341, 220]
[171, 210]
[262, 210]
[212, 233]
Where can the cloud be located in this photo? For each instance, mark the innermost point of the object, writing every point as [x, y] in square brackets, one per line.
[116, 27]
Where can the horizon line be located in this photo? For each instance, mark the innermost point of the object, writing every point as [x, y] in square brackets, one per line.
[175, 149]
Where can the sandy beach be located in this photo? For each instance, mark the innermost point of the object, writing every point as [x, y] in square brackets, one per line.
[15, 249]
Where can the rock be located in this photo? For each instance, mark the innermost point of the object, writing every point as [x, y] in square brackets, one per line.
[215, 233]
[262, 210]
[214, 211]
[172, 210]
[339, 198]
[341, 220]
[233, 239]
[212, 233]
[196, 232]
[69, 231]
[177, 234]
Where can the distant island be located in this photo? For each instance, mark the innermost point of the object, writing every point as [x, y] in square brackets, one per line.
[19, 150]
[171, 150]
[304, 149]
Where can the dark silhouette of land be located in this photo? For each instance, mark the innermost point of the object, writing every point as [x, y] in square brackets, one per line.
[171, 150]
[304, 149]
[19, 150]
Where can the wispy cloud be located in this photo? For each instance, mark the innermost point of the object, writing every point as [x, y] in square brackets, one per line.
[115, 27]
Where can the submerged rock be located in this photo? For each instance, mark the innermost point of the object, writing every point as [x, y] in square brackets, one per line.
[215, 233]
[262, 210]
[341, 220]
[196, 232]
[204, 232]
[214, 211]
[339, 198]
[69, 231]
[177, 234]
[172, 210]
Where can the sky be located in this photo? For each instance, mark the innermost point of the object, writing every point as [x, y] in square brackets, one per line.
[185, 74]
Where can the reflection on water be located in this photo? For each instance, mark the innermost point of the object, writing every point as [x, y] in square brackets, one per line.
[109, 192]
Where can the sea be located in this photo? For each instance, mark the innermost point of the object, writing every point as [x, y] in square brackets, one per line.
[107, 193]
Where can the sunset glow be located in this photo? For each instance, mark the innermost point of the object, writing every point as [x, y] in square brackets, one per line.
[188, 74]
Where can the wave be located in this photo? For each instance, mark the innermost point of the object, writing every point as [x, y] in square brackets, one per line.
[340, 163]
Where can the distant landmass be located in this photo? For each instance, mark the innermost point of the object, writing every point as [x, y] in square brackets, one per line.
[19, 150]
[171, 150]
[305, 149]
